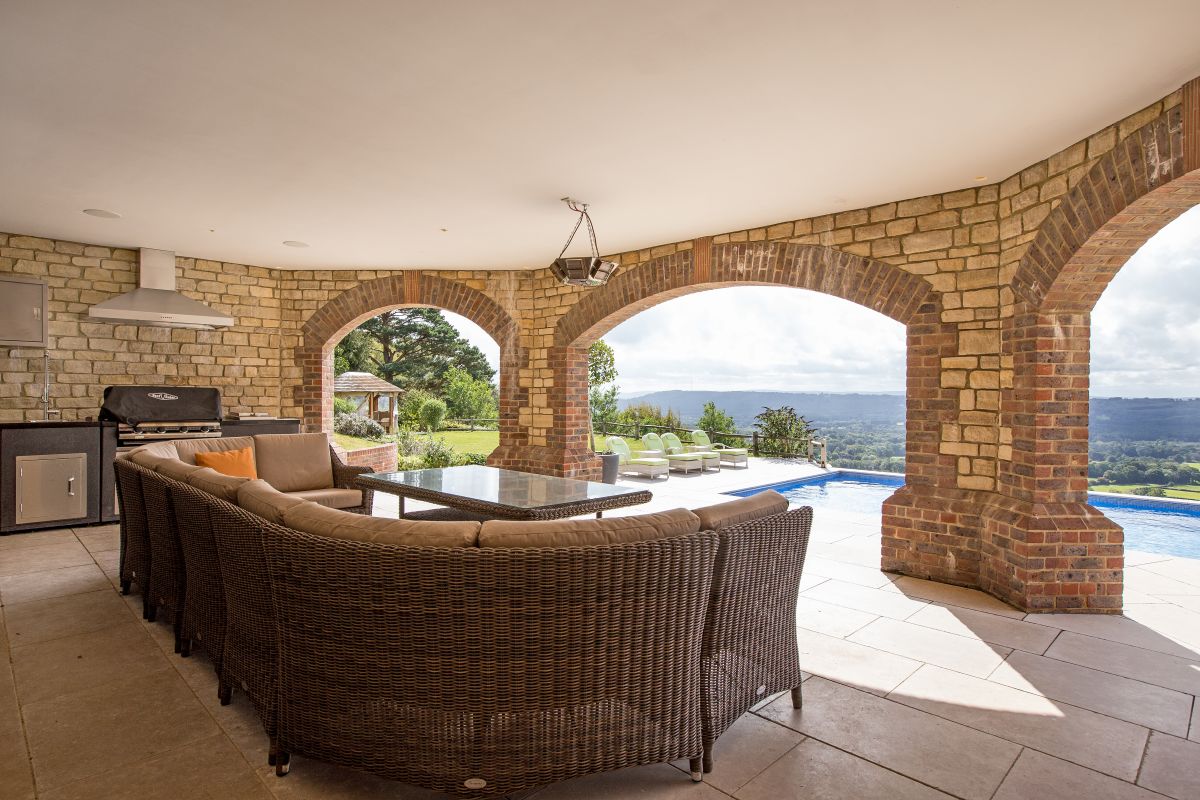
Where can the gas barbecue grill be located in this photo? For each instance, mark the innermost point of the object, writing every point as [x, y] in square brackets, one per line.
[161, 413]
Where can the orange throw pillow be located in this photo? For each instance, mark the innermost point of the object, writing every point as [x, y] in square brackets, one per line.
[238, 463]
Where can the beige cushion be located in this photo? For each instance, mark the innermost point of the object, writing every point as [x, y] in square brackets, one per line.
[188, 448]
[331, 498]
[583, 532]
[175, 469]
[294, 462]
[148, 455]
[313, 518]
[222, 486]
[744, 509]
[150, 460]
[258, 497]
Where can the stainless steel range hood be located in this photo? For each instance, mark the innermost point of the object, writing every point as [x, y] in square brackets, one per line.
[155, 301]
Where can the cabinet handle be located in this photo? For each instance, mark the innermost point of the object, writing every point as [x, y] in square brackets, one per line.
[71, 486]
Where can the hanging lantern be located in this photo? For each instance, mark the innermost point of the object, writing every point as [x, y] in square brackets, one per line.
[584, 270]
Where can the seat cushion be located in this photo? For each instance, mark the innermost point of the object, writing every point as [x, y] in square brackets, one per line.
[175, 469]
[331, 498]
[756, 506]
[648, 462]
[317, 519]
[259, 497]
[239, 463]
[209, 480]
[187, 448]
[294, 462]
[499, 533]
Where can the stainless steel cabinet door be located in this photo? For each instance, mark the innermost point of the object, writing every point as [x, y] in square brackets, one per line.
[22, 312]
[51, 487]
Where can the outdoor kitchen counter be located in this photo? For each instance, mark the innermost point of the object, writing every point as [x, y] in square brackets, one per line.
[55, 423]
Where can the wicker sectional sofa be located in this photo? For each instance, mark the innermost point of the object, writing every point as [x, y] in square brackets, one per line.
[472, 658]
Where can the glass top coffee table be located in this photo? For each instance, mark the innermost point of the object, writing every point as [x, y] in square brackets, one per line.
[504, 493]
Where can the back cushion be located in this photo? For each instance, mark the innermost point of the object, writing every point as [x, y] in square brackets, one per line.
[239, 463]
[258, 497]
[756, 506]
[188, 448]
[175, 469]
[294, 462]
[222, 486]
[584, 532]
[149, 455]
[323, 521]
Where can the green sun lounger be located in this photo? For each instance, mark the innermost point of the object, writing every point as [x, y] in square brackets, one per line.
[729, 455]
[636, 464]
[675, 447]
[684, 462]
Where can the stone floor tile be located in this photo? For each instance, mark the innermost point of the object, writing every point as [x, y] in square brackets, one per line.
[13, 541]
[1124, 698]
[1037, 776]
[1194, 731]
[749, 746]
[959, 653]
[1137, 558]
[1172, 767]
[1185, 570]
[814, 770]
[653, 781]
[829, 619]
[1123, 629]
[85, 733]
[1076, 734]
[1173, 622]
[1141, 580]
[900, 738]
[17, 560]
[71, 663]
[853, 664]
[810, 579]
[1189, 601]
[846, 573]
[992, 628]
[55, 617]
[16, 775]
[31, 586]
[861, 551]
[945, 594]
[206, 769]
[873, 601]
[99, 540]
[1180, 674]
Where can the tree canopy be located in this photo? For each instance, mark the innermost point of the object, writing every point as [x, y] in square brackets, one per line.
[413, 348]
[714, 420]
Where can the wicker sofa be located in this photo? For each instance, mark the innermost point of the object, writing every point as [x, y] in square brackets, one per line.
[475, 658]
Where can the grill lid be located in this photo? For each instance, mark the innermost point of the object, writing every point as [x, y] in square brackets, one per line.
[137, 404]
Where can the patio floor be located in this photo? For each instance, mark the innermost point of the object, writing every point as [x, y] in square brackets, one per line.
[914, 689]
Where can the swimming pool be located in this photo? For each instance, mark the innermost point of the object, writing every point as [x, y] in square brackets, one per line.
[1152, 525]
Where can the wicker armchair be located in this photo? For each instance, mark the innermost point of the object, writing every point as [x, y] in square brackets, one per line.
[750, 649]
[134, 563]
[483, 672]
[344, 478]
[168, 581]
[203, 615]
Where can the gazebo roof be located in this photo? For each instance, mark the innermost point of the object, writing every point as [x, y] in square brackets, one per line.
[359, 382]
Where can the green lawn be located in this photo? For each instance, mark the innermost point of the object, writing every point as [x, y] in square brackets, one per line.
[1188, 492]
[353, 442]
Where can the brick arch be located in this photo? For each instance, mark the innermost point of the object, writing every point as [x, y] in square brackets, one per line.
[333, 320]
[874, 284]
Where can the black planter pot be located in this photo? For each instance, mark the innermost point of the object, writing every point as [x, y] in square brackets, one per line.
[612, 463]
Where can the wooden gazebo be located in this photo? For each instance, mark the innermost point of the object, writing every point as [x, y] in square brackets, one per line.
[374, 397]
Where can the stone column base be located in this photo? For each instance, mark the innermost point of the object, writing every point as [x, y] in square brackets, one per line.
[581, 464]
[932, 533]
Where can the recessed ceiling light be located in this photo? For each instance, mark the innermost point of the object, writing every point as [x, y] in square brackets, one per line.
[443, 230]
[101, 213]
[981, 177]
[294, 243]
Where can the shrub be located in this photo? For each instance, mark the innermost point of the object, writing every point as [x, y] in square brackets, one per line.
[437, 454]
[358, 426]
[478, 459]
[431, 415]
[344, 405]
[408, 444]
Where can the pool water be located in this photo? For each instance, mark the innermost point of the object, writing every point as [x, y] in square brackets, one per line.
[1151, 525]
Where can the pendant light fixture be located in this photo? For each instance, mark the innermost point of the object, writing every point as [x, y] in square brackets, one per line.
[586, 270]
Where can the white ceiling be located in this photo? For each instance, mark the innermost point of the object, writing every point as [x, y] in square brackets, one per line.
[364, 128]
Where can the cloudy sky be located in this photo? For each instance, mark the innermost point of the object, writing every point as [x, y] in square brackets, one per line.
[1145, 335]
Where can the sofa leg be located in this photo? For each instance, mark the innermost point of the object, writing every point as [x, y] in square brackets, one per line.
[282, 764]
[149, 610]
[185, 648]
[797, 697]
[224, 692]
[707, 761]
[125, 586]
[696, 767]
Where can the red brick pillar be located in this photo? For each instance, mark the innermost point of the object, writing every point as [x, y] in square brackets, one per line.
[1044, 547]
[931, 525]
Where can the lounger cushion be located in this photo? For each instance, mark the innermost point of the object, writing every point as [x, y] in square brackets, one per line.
[688, 456]
[723, 515]
[259, 497]
[502, 533]
[331, 498]
[209, 480]
[647, 462]
[187, 448]
[175, 469]
[294, 462]
[317, 519]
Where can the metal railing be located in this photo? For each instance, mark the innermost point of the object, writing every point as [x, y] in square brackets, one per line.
[812, 449]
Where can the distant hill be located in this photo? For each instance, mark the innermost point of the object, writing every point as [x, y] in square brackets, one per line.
[1127, 418]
